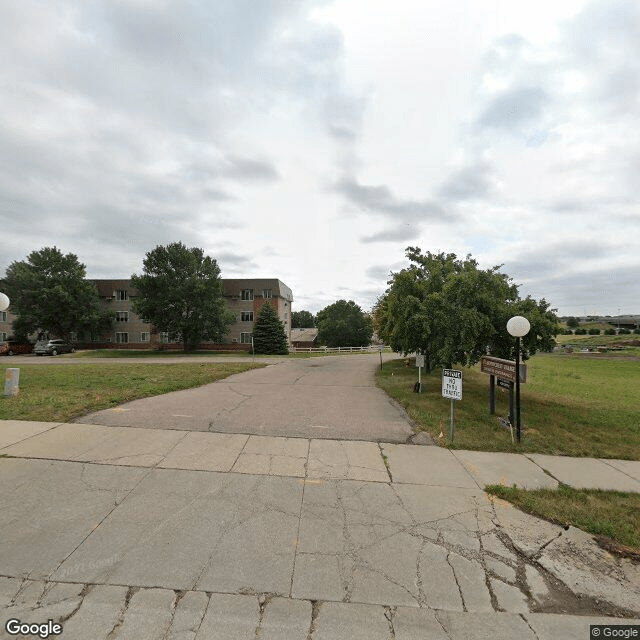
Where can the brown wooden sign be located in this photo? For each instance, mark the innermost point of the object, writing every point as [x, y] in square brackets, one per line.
[502, 369]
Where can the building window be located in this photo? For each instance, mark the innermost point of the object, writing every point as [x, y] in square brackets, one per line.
[245, 338]
[3, 335]
[267, 293]
[286, 315]
[121, 294]
[122, 316]
[121, 337]
[145, 336]
[247, 294]
[3, 316]
[246, 316]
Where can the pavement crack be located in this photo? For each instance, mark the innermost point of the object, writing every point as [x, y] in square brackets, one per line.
[178, 595]
[537, 637]
[297, 545]
[389, 614]
[120, 621]
[455, 577]
[85, 590]
[315, 612]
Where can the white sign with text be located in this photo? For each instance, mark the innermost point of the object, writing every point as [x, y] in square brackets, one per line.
[452, 384]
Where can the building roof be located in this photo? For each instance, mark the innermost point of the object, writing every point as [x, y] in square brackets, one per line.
[233, 286]
[304, 335]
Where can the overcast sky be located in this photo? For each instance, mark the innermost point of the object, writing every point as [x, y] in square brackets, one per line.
[314, 140]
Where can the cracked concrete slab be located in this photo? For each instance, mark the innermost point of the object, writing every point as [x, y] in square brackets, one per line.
[507, 469]
[527, 533]
[485, 626]
[285, 619]
[551, 626]
[50, 507]
[230, 617]
[335, 459]
[98, 615]
[99, 444]
[273, 456]
[337, 621]
[426, 465]
[628, 467]
[575, 559]
[587, 473]
[182, 529]
[12, 431]
[205, 452]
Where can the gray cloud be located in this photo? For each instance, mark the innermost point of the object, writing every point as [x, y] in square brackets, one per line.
[515, 108]
[470, 182]
[380, 200]
[249, 169]
[402, 233]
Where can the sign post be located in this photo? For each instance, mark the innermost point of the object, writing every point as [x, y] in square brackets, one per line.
[419, 364]
[452, 389]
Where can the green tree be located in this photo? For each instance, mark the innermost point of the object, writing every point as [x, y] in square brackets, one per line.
[302, 320]
[180, 292]
[49, 293]
[452, 312]
[573, 322]
[344, 324]
[268, 332]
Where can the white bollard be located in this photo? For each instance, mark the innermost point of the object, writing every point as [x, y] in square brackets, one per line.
[12, 379]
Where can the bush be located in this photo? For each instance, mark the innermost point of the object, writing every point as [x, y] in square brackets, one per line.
[594, 332]
[609, 332]
[568, 332]
[625, 332]
[581, 332]
[636, 331]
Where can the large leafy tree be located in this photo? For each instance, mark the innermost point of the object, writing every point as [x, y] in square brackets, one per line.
[302, 320]
[49, 293]
[453, 312]
[344, 324]
[180, 292]
[268, 332]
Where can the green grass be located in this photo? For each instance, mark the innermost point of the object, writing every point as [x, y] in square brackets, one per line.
[571, 405]
[63, 392]
[613, 515]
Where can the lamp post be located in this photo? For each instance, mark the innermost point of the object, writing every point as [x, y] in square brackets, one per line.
[518, 326]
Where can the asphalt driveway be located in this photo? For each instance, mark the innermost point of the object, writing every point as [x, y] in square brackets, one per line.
[333, 397]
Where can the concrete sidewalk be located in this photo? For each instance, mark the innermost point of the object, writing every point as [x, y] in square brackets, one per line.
[120, 532]
[310, 458]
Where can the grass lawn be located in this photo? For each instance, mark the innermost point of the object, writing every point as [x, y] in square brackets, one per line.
[613, 516]
[152, 353]
[63, 392]
[572, 404]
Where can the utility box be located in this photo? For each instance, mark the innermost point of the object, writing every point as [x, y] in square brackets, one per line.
[11, 383]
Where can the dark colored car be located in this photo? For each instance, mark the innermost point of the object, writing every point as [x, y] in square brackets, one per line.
[10, 347]
[52, 347]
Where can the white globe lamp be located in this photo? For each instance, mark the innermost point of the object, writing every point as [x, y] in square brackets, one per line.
[518, 326]
[4, 302]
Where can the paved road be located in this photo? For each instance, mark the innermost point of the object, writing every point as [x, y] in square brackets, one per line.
[332, 397]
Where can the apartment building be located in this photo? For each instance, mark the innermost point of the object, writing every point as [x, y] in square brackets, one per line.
[244, 297]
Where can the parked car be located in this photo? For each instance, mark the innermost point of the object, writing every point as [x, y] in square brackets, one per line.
[10, 347]
[52, 347]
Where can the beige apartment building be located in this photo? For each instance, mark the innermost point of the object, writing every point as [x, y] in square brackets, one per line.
[244, 298]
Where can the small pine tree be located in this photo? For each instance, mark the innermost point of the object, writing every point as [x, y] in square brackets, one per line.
[268, 332]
